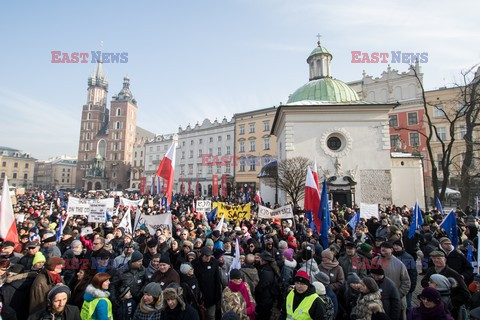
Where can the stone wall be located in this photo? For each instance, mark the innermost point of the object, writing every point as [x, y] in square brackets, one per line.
[376, 186]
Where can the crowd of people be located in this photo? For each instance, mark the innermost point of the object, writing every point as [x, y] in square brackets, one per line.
[371, 271]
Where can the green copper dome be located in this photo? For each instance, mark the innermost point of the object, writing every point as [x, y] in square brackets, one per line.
[324, 89]
[319, 50]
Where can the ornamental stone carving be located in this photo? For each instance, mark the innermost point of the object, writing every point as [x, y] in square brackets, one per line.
[345, 140]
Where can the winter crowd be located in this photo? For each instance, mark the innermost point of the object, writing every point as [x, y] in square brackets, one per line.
[372, 271]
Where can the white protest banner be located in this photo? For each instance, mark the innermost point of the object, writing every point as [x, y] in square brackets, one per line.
[20, 218]
[284, 212]
[155, 222]
[368, 210]
[97, 212]
[126, 222]
[131, 203]
[81, 206]
[204, 206]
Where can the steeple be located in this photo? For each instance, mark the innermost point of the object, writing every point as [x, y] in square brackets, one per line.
[98, 79]
[125, 94]
[320, 61]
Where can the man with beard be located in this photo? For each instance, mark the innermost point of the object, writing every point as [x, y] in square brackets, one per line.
[396, 271]
[74, 260]
[57, 306]
[411, 266]
[390, 294]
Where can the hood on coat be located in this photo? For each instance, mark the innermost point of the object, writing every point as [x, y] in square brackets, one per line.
[292, 264]
[92, 293]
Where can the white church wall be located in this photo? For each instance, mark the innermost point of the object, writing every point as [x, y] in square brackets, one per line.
[407, 181]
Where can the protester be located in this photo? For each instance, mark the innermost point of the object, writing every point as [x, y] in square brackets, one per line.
[57, 307]
[44, 282]
[238, 298]
[173, 307]
[431, 307]
[150, 303]
[97, 305]
[370, 295]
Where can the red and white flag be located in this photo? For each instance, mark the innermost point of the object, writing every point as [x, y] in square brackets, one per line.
[8, 228]
[315, 174]
[166, 170]
[312, 196]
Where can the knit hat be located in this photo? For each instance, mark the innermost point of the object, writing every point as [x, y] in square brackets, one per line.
[207, 251]
[378, 271]
[58, 288]
[235, 274]
[350, 245]
[185, 267]
[209, 242]
[322, 277]
[282, 244]
[303, 277]
[353, 278]
[164, 259]
[124, 291]
[319, 288]
[136, 256]
[327, 253]
[290, 242]
[152, 243]
[266, 256]
[75, 243]
[53, 262]
[288, 254]
[365, 247]
[443, 283]
[39, 257]
[444, 239]
[370, 284]
[154, 289]
[192, 253]
[430, 294]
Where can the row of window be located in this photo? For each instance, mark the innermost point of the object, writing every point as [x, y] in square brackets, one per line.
[210, 152]
[200, 141]
[14, 175]
[266, 145]
[15, 164]
[415, 136]
[209, 169]
[412, 117]
[251, 127]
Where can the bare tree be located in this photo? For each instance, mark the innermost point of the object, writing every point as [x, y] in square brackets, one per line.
[289, 175]
[470, 108]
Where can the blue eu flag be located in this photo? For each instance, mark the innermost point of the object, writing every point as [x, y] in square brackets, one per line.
[324, 215]
[449, 224]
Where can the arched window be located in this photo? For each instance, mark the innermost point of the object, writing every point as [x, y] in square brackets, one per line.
[117, 125]
[118, 112]
[89, 116]
[102, 148]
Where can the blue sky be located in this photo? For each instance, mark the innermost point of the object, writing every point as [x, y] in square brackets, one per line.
[191, 59]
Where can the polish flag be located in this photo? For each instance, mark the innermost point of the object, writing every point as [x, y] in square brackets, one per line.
[8, 228]
[166, 170]
[312, 196]
[315, 174]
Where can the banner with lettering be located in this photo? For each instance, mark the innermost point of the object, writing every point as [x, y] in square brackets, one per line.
[233, 213]
[131, 203]
[203, 206]
[285, 212]
[155, 222]
[81, 206]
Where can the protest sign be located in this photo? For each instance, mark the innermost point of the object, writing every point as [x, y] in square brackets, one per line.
[204, 206]
[155, 222]
[131, 203]
[97, 212]
[284, 212]
[81, 206]
[368, 210]
[233, 213]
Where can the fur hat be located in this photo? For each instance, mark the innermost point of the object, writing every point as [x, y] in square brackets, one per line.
[171, 293]
[189, 244]
[370, 284]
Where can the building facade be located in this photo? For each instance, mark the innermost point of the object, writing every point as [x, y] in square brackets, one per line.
[107, 136]
[154, 149]
[55, 173]
[205, 152]
[138, 166]
[254, 147]
[17, 166]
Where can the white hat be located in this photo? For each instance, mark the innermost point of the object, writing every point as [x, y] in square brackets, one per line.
[319, 288]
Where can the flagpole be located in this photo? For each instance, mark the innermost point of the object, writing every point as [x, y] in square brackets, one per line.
[137, 219]
[478, 252]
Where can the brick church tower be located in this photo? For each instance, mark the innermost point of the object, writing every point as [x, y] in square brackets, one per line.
[106, 136]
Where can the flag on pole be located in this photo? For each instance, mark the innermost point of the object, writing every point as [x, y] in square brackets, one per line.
[126, 222]
[152, 187]
[60, 229]
[159, 185]
[166, 170]
[438, 204]
[324, 215]
[257, 197]
[417, 221]
[212, 215]
[236, 260]
[354, 221]
[312, 197]
[315, 174]
[220, 224]
[8, 228]
[309, 216]
[449, 224]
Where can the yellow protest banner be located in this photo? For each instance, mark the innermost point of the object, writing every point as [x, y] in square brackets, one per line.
[232, 213]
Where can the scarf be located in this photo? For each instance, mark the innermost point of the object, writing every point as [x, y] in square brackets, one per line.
[56, 278]
[330, 265]
[243, 290]
[437, 312]
[147, 309]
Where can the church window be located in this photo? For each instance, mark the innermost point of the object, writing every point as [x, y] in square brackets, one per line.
[89, 116]
[334, 143]
[118, 112]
